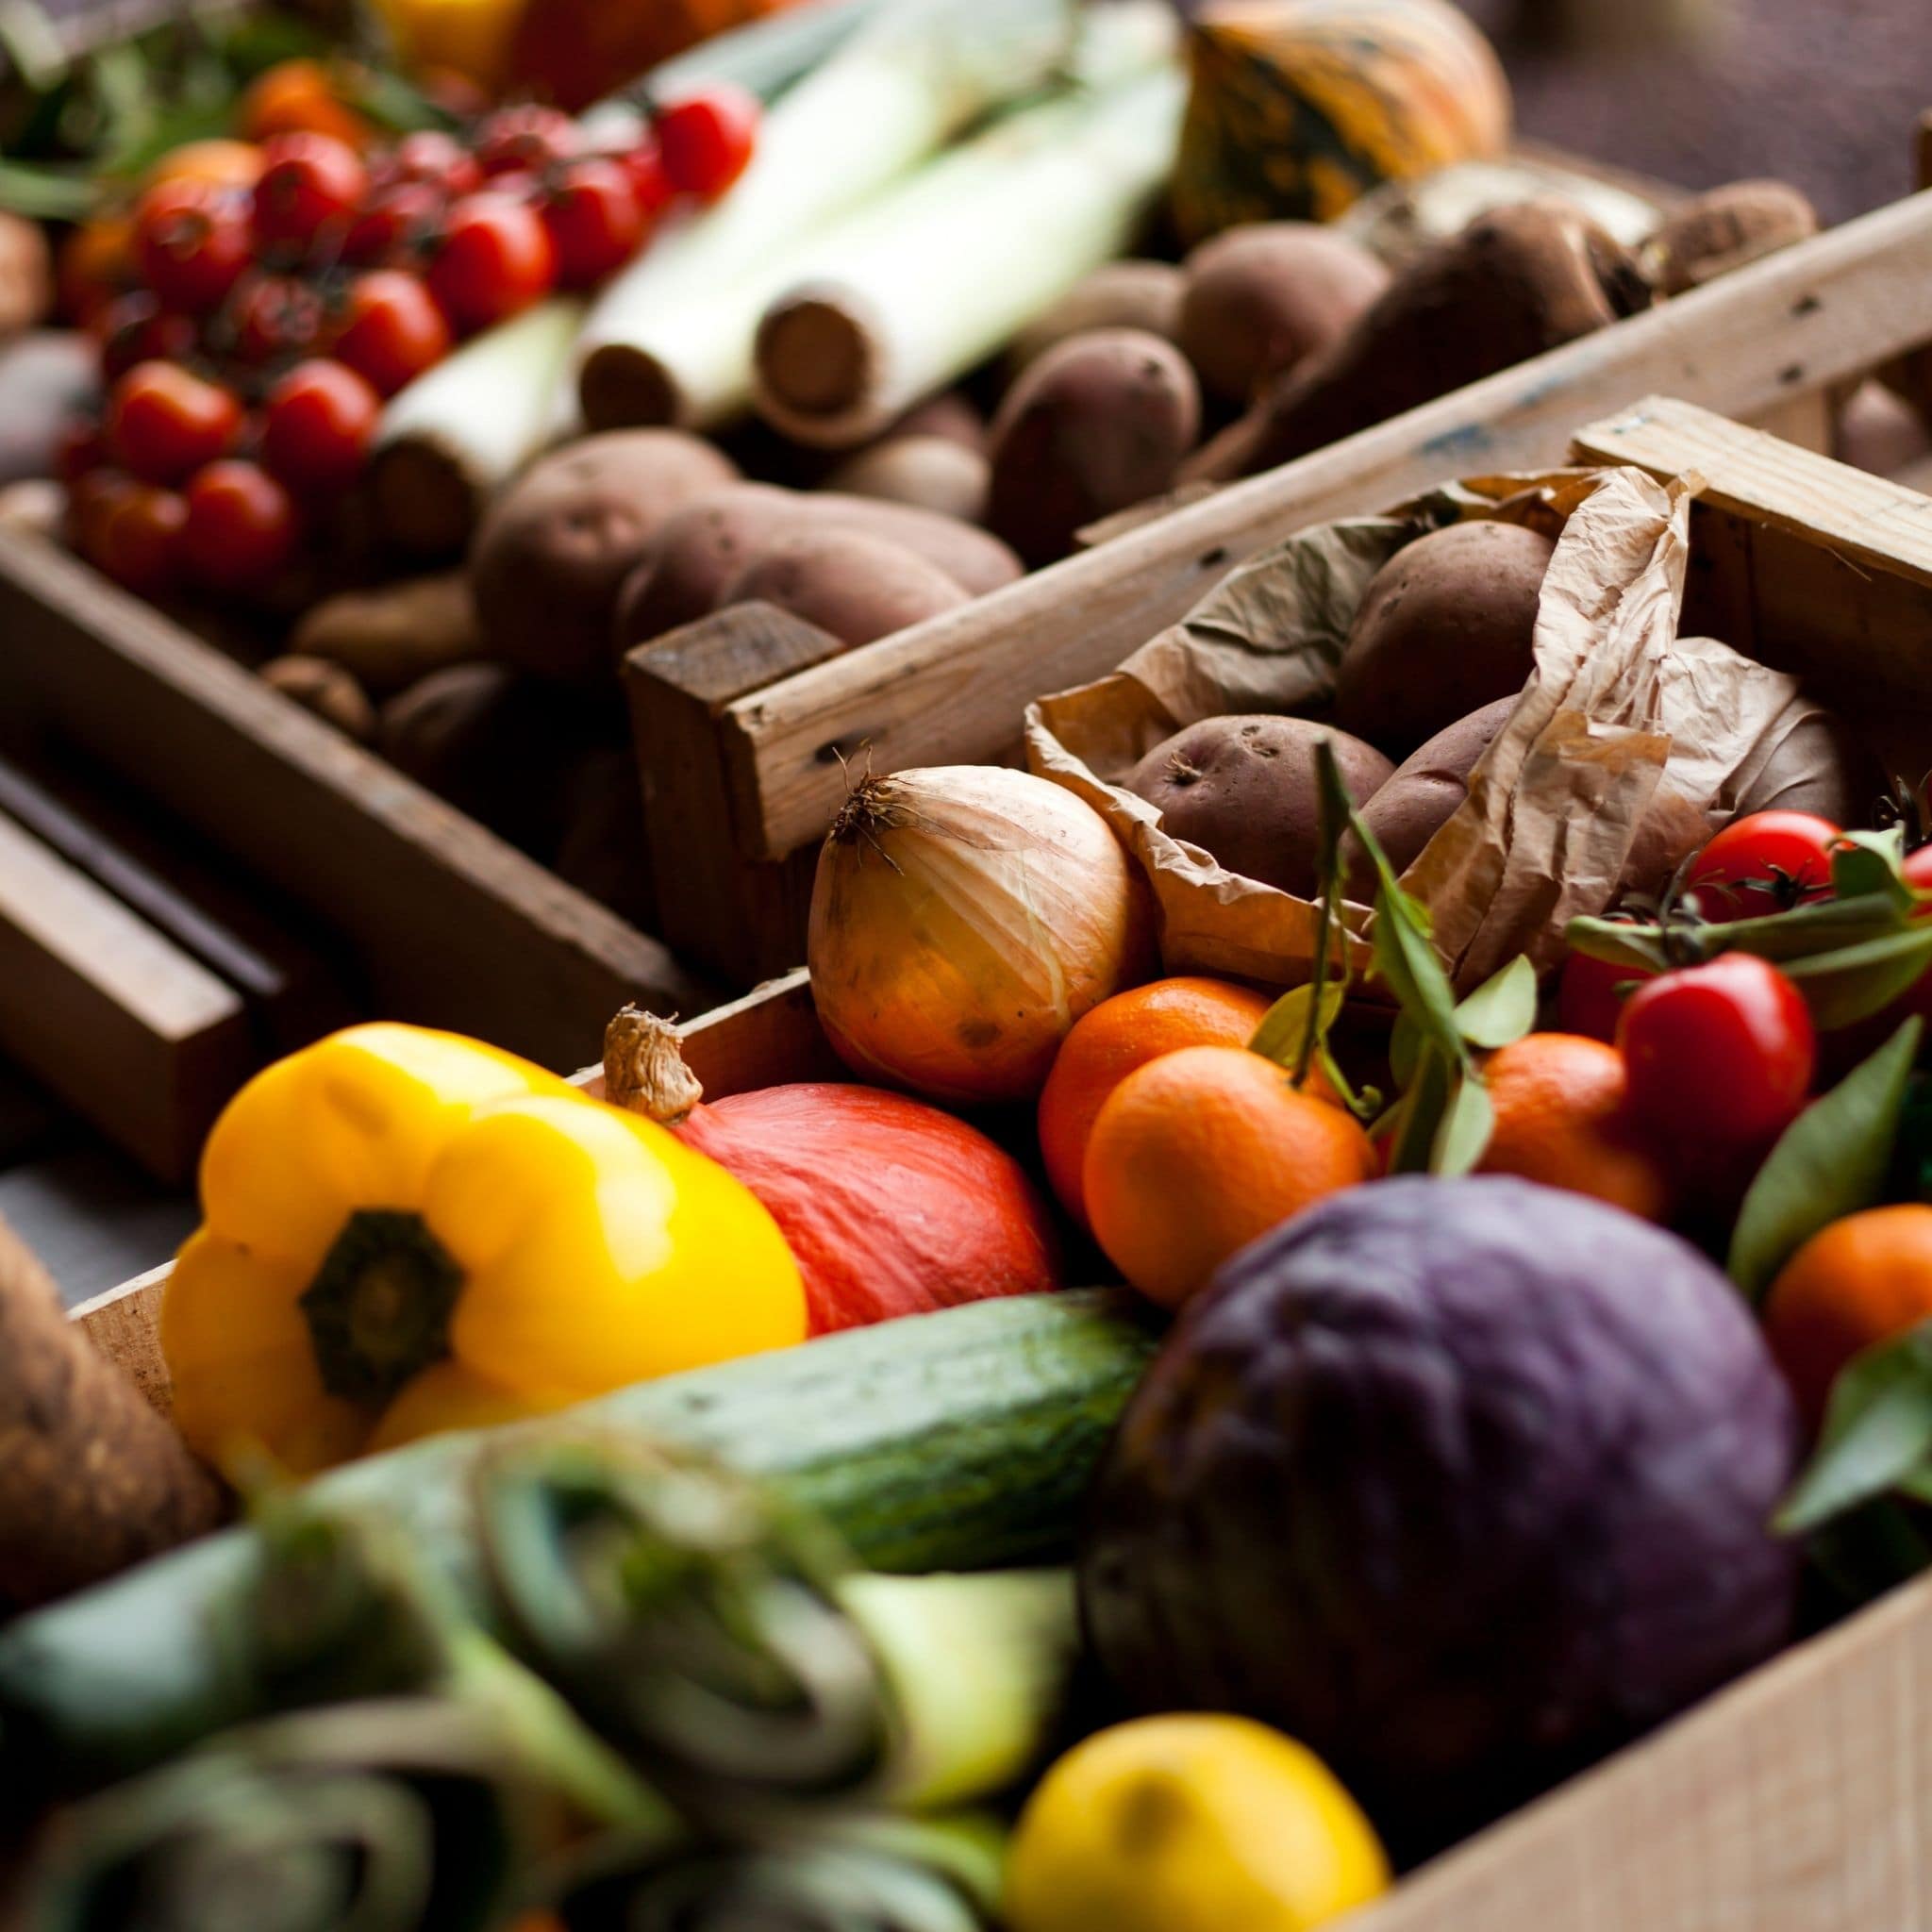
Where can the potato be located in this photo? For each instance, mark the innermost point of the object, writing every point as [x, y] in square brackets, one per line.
[1097, 424]
[955, 416]
[975, 559]
[1260, 299]
[854, 585]
[1120, 294]
[933, 473]
[1424, 794]
[1244, 789]
[1879, 431]
[1448, 625]
[554, 552]
[327, 690]
[1724, 230]
[389, 637]
[1822, 766]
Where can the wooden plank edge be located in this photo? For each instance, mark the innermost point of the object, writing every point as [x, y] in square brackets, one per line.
[1787, 326]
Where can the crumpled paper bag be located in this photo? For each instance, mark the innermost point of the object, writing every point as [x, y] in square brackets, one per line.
[1628, 743]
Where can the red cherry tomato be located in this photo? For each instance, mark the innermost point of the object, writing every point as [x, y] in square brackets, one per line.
[594, 221]
[137, 539]
[81, 450]
[526, 137]
[495, 260]
[1591, 993]
[192, 244]
[316, 425]
[1720, 1057]
[136, 328]
[436, 159]
[644, 164]
[276, 318]
[1762, 864]
[164, 422]
[311, 189]
[241, 525]
[392, 330]
[707, 140]
[394, 222]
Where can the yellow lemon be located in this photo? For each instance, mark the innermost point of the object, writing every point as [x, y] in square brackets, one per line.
[1191, 1824]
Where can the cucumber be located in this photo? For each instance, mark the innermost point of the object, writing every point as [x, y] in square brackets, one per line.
[959, 1440]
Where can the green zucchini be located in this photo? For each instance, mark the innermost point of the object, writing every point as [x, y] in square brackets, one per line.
[959, 1440]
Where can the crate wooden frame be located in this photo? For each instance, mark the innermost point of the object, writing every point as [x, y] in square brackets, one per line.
[1800, 1798]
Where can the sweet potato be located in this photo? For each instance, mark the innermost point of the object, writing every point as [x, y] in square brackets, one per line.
[1121, 295]
[933, 473]
[553, 554]
[1724, 230]
[856, 585]
[1447, 627]
[1244, 789]
[393, 635]
[1259, 300]
[1097, 424]
[1515, 283]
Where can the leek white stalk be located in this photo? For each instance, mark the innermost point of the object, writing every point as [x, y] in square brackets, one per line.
[458, 433]
[895, 94]
[916, 290]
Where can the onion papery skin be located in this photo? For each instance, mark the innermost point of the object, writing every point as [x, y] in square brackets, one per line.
[963, 917]
[890, 1206]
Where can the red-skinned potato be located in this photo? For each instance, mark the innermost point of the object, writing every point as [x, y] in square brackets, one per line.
[1244, 789]
[1119, 294]
[934, 473]
[1447, 627]
[1097, 424]
[1260, 299]
[853, 585]
[1725, 230]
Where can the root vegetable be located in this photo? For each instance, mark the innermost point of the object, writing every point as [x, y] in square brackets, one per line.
[553, 554]
[1724, 230]
[962, 919]
[1447, 627]
[1121, 295]
[1244, 789]
[934, 473]
[390, 637]
[92, 1480]
[952, 415]
[1098, 423]
[1879, 431]
[1513, 284]
[327, 690]
[858, 588]
[1257, 301]
[1424, 794]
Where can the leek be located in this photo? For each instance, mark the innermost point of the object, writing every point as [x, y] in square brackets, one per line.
[914, 291]
[721, 1639]
[450, 440]
[895, 94]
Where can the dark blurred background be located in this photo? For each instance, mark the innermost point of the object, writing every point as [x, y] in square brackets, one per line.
[1824, 93]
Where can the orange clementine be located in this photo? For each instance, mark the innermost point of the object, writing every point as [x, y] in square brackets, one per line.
[300, 96]
[1860, 1281]
[96, 264]
[1559, 1101]
[219, 163]
[1112, 1041]
[1199, 1153]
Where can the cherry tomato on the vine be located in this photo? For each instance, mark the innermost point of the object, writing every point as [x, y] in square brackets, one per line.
[276, 318]
[644, 164]
[164, 422]
[1590, 992]
[316, 423]
[311, 189]
[496, 258]
[392, 331]
[192, 244]
[137, 539]
[136, 328]
[594, 221]
[241, 525]
[706, 138]
[1762, 864]
[525, 139]
[81, 450]
[395, 221]
[1720, 1057]
[437, 160]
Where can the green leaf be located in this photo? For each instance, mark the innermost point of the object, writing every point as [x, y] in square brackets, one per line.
[1502, 1010]
[1855, 982]
[1405, 1043]
[1878, 1433]
[1821, 926]
[47, 194]
[1832, 1161]
[1464, 1137]
[1867, 864]
[1285, 1024]
[1417, 1115]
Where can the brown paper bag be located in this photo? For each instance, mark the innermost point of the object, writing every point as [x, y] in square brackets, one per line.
[1628, 744]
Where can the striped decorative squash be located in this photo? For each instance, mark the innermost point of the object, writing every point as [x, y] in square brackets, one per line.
[1300, 106]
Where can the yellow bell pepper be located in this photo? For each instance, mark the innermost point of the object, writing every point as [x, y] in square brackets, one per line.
[406, 1231]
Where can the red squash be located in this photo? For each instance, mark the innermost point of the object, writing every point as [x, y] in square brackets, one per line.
[890, 1206]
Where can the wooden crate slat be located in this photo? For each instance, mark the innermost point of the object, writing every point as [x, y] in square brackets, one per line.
[1785, 328]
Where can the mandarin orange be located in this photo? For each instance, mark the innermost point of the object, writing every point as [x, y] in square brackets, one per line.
[1859, 1282]
[1559, 1101]
[1118, 1037]
[1197, 1153]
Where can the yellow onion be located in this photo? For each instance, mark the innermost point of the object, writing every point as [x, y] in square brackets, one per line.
[962, 919]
